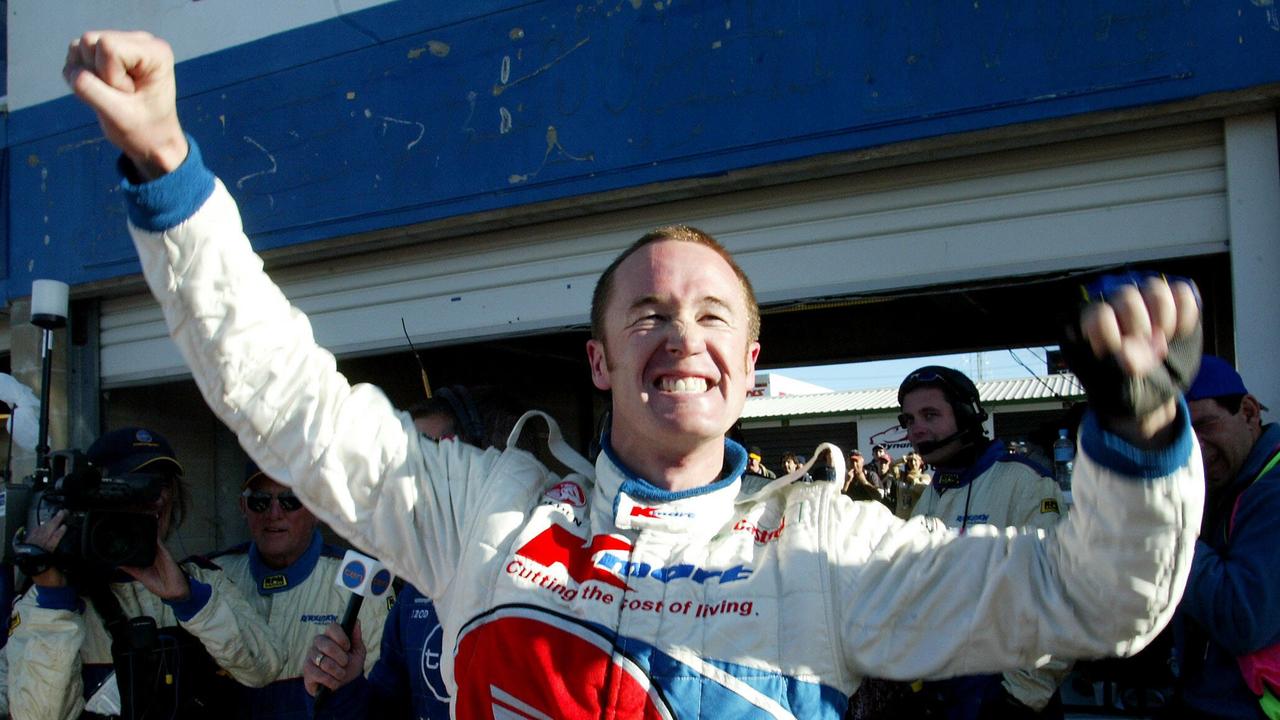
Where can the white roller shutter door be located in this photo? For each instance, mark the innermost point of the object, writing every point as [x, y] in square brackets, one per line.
[1133, 197]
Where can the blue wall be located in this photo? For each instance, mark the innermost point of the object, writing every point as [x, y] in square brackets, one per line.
[395, 115]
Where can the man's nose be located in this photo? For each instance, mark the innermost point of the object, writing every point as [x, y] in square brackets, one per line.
[685, 338]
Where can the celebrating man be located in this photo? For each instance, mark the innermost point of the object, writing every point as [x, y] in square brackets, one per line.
[646, 586]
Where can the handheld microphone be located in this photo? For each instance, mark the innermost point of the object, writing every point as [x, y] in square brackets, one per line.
[363, 577]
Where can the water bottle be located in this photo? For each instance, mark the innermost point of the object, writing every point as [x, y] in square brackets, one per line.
[1064, 456]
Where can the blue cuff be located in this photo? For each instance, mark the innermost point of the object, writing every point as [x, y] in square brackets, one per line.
[187, 609]
[1112, 452]
[169, 199]
[59, 598]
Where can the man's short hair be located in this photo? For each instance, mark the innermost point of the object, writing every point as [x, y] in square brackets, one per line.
[681, 233]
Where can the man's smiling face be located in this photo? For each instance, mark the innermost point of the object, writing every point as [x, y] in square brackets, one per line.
[677, 351]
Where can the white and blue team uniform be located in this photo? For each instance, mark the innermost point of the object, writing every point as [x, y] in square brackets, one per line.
[598, 593]
[406, 681]
[298, 602]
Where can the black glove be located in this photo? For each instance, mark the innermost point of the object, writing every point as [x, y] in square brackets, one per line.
[1111, 392]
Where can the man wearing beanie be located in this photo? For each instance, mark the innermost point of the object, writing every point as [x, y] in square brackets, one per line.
[1231, 607]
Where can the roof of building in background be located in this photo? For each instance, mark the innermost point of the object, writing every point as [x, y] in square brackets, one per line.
[992, 392]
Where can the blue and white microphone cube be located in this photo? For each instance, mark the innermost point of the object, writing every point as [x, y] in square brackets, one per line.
[363, 575]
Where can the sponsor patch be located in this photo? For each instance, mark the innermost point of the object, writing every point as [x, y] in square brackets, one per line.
[1049, 505]
[762, 535]
[318, 618]
[569, 493]
[14, 622]
[274, 582]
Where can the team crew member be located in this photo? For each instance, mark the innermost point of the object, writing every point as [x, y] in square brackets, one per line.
[646, 585]
[287, 574]
[978, 481]
[1231, 608]
[59, 650]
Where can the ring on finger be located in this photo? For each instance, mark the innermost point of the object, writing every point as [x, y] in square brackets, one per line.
[319, 659]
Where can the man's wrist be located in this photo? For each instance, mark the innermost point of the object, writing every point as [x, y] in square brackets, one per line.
[162, 159]
[1156, 429]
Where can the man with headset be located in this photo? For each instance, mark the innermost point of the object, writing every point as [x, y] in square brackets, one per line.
[977, 481]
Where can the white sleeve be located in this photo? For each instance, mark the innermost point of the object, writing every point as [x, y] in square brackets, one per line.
[917, 600]
[354, 460]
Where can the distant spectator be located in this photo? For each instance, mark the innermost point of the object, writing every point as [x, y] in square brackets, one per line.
[880, 471]
[856, 485]
[911, 482]
[791, 464]
[755, 464]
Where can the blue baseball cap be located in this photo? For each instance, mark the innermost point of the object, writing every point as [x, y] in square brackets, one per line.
[133, 450]
[1216, 379]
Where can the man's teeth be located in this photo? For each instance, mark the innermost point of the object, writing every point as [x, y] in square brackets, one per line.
[684, 385]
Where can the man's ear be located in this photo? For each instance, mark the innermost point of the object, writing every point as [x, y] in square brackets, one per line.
[753, 355]
[598, 359]
[1252, 410]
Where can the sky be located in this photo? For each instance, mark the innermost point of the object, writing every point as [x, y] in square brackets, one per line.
[995, 365]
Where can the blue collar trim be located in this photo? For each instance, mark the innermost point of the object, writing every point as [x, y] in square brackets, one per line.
[735, 463]
[951, 478]
[270, 580]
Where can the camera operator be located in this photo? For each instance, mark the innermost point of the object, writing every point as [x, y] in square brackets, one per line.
[60, 651]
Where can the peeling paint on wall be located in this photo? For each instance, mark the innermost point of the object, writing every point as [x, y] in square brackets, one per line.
[269, 171]
[435, 47]
[553, 148]
[499, 89]
[1273, 18]
[388, 120]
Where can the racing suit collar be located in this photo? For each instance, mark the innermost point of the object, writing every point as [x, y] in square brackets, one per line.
[269, 580]
[945, 479]
[639, 504]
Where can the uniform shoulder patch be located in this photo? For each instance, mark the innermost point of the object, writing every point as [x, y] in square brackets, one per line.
[1049, 505]
[14, 621]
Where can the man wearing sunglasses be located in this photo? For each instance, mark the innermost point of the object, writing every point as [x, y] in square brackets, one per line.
[286, 572]
[647, 584]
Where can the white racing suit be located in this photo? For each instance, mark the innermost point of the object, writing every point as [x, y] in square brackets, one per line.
[1003, 490]
[59, 652]
[599, 594]
[298, 602]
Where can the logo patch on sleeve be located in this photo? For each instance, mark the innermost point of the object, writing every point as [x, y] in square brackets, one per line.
[1049, 505]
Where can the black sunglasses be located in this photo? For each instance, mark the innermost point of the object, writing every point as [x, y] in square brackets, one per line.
[259, 502]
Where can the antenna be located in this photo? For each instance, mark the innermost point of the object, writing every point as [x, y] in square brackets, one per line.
[426, 384]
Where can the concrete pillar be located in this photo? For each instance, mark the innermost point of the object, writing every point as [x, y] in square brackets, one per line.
[1253, 216]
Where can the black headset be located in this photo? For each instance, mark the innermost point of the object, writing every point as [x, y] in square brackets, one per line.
[959, 389]
[464, 409]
